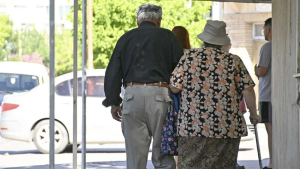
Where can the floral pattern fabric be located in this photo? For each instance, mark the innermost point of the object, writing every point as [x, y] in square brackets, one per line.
[207, 153]
[169, 139]
[212, 83]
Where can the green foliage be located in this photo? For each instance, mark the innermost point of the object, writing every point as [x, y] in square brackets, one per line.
[14, 45]
[64, 53]
[8, 40]
[113, 18]
[33, 41]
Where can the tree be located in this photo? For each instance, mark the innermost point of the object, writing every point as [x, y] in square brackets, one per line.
[115, 17]
[32, 41]
[64, 53]
[33, 58]
[8, 38]
[30, 45]
[35, 48]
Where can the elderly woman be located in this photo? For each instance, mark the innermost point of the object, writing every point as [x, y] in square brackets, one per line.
[210, 122]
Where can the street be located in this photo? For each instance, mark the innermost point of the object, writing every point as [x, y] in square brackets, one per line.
[21, 155]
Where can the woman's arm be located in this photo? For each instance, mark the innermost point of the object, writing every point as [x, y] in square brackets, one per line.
[250, 99]
[174, 89]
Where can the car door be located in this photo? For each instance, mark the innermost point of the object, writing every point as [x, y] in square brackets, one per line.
[64, 106]
[101, 126]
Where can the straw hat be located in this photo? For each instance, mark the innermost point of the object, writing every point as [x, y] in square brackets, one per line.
[215, 33]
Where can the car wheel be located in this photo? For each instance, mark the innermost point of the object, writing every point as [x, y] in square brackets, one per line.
[41, 137]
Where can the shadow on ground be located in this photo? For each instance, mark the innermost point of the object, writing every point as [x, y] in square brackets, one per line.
[92, 150]
[249, 164]
[93, 165]
[253, 164]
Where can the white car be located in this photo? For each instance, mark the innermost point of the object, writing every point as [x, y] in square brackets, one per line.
[16, 77]
[25, 116]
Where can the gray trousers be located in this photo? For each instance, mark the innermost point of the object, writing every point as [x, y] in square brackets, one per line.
[144, 110]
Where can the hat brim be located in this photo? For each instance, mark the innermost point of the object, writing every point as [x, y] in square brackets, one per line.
[215, 40]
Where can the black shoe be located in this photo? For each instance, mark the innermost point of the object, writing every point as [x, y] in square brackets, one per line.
[238, 166]
[266, 167]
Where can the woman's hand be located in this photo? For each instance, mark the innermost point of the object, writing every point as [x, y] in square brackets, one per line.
[254, 118]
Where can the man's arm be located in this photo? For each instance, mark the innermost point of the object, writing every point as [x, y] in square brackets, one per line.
[264, 61]
[260, 71]
[113, 82]
[113, 79]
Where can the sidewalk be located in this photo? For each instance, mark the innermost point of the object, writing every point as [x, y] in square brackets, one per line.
[22, 155]
[122, 165]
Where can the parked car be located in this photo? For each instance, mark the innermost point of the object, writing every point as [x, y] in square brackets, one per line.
[26, 115]
[18, 77]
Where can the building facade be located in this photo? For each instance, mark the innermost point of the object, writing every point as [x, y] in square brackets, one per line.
[35, 13]
[245, 28]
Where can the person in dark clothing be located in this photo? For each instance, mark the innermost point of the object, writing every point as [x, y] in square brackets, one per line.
[143, 61]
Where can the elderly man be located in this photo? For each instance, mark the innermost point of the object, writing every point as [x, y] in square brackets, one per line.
[143, 61]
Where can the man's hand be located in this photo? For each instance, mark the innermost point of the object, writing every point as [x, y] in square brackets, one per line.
[116, 112]
[256, 117]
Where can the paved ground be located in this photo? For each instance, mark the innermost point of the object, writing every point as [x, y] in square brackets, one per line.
[22, 155]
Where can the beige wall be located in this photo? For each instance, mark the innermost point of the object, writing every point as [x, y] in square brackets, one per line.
[285, 88]
[236, 8]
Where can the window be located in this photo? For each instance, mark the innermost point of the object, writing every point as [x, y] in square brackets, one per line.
[17, 83]
[2, 9]
[63, 11]
[258, 31]
[63, 89]
[95, 86]
[20, 10]
[41, 10]
[48, 10]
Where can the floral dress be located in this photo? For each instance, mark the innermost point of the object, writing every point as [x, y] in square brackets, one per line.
[212, 83]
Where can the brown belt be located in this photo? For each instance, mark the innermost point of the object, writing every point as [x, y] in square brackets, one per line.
[148, 84]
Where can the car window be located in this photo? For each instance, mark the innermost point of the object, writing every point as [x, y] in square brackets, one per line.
[17, 82]
[63, 89]
[95, 86]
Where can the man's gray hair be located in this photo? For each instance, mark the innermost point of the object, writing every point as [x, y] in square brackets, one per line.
[148, 16]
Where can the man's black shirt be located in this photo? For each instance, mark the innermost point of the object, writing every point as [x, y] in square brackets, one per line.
[147, 54]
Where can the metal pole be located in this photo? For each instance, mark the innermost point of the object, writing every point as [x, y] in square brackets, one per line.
[75, 86]
[52, 69]
[84, 56]
[257, 144]
[90, 56]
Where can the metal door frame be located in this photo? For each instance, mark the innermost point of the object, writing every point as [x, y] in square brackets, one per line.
[75, 83]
